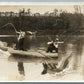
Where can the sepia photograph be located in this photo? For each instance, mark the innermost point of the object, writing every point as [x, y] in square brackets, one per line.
[41, 42]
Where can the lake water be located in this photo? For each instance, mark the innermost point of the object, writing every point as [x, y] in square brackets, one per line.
[22, 68]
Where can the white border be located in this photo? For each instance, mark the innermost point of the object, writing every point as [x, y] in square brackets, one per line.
[41, 3]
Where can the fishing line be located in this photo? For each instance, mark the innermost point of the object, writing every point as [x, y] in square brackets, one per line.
[68, 30]
[11, 25]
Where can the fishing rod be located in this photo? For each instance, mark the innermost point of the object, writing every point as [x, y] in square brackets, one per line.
[68, 30]
[11, 25]
[65, 32]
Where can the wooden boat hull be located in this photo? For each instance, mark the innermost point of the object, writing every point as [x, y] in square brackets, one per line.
[37, 53]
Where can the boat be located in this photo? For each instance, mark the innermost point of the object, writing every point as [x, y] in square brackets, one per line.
[32, 53]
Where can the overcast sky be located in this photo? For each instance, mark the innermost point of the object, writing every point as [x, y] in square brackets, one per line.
[38, 6]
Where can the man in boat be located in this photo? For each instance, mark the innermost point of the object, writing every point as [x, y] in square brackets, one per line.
[21, 36]
[52, 46]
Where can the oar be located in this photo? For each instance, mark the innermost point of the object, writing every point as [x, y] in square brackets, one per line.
[44, 55]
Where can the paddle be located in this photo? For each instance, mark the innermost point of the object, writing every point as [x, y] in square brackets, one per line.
[44, 55]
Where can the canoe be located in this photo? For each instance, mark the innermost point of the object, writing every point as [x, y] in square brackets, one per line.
[32, 53]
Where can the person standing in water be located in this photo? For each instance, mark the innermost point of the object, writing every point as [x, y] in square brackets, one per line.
[21, 36]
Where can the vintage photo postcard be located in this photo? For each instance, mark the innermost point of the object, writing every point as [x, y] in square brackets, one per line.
[41, 41]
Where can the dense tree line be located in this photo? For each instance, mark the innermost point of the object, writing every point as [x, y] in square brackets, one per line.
[48, 23]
